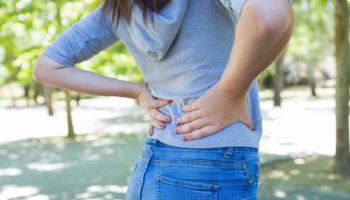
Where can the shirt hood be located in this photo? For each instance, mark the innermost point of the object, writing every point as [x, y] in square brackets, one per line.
[156, 37]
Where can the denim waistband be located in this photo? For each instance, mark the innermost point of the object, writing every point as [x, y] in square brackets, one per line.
[231, 149]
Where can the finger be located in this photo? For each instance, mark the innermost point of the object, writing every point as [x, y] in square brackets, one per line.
[156, 103]
[199, 133]
[157, 124]
[191, 126]
[155, 113]
[150, 130]
[188, 117]
[190, 107]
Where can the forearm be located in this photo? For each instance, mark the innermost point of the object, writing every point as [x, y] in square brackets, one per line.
[262, 33]
[48, 72]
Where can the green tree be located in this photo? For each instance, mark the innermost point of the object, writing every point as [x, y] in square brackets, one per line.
[342, 52]
[28, 27]
[278, 79]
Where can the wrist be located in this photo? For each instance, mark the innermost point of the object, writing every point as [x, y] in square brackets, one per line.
[129, 89]
[232, 87]
[133, 89]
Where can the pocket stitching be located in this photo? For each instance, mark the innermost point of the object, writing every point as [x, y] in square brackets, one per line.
[188, 184]
[211, 163]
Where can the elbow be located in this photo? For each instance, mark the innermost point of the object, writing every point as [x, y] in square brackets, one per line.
[273, 18]
[38, 74]
[45, 69]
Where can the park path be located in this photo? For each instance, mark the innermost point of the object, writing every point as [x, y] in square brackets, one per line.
[299, 127]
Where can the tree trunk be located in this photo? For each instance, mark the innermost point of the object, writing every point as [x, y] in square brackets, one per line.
[48, 99]
[311, 79]
[12, 95]
[341, 17]
[36, 89]
[278, 81]
[77, 98]
[26, 89]
[71, 133]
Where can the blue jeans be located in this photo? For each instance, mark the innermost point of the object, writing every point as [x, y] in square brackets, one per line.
[164, 172]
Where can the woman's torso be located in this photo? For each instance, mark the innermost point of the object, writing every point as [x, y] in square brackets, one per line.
[181, 56]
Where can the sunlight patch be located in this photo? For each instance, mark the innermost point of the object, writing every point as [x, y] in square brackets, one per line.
[299, 161]
[107, 190]
[280, 194]
[11, 192]
[39, 197]
[10, 172]
[47, 166]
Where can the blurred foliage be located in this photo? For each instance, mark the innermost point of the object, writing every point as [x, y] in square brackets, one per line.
[313, 33]
[27, 27]
[312, 39]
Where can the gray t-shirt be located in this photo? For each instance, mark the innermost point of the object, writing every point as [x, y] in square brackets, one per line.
[181, 55]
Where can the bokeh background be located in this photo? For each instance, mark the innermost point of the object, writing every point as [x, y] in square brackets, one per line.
[57, 144]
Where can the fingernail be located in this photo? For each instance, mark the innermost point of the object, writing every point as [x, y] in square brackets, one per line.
[177, 122]
[162, 126]
[253, 129]
[169, 101]
[177, 130]
[184, 138]
[168, 120]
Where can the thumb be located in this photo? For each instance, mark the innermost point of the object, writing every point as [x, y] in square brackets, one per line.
[156, 103]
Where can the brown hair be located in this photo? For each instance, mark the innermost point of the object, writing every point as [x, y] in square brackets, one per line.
[123, 8]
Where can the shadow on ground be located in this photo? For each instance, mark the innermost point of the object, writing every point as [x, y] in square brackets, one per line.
[99, 167]
[305, 178]
[93, 166]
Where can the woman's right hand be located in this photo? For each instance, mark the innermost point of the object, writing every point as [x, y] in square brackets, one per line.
[151, 104]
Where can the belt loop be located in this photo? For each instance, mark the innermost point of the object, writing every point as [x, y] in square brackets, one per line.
[229, 152]
[148, 150]
[157, 142]
[151, 141]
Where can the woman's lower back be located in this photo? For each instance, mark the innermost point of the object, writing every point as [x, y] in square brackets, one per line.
[235, 134]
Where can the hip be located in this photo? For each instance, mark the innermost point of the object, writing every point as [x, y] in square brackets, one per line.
[168, 172]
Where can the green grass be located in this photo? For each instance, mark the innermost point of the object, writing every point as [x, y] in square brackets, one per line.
[93, 166]
[99, 166]
[307, 178]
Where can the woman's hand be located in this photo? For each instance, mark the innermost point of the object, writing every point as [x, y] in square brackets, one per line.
[151, 104]
[212, 112]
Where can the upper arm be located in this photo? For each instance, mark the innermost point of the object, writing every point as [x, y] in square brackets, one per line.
[82, 40]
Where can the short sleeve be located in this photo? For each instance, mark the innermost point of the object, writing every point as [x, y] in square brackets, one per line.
[82, 40]
[234, 6]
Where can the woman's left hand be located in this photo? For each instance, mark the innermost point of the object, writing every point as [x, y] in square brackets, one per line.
[212, 112]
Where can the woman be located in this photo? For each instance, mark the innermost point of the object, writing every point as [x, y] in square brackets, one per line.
[200, 86]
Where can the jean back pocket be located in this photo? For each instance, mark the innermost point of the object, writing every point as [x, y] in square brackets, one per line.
[170, 188]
